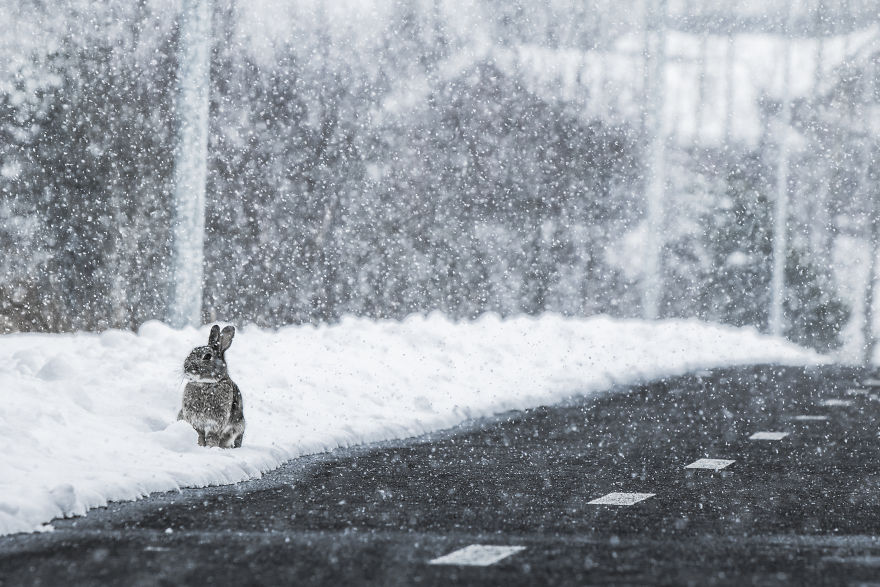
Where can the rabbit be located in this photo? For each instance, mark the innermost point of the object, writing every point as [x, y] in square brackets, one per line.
[211, 401]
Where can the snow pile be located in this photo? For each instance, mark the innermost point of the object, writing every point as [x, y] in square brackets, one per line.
[88, 418]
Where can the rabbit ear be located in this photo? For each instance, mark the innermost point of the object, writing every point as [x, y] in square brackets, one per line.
[214, 338]
[226, 338]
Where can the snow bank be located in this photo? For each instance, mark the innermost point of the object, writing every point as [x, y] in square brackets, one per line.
[90, 418]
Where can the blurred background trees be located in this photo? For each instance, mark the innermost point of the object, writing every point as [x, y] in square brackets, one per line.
[410, 157]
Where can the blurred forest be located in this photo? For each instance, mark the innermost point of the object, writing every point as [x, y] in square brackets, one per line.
[430, 155]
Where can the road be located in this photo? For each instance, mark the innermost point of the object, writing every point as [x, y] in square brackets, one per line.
[803, 509]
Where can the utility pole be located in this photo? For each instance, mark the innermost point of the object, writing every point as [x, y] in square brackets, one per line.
[190, 164]
[729, 80]
[869, 193]
[780, 220]
[655, 172]
[702, 66]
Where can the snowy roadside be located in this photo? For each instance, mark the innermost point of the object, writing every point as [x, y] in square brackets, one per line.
[90, 418]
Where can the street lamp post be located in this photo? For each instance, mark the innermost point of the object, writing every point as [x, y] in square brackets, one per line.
[190, 164]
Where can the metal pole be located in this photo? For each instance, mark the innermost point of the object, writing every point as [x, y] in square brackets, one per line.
[655, 179]
[873, 226]
[780, 224]
[190, 169]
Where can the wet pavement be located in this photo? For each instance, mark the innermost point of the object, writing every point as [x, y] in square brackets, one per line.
[800, 509]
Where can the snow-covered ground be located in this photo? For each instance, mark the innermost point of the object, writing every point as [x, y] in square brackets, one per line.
[90, 418]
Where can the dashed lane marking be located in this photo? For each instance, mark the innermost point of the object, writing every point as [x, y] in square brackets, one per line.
[768, 435]
[854, 391]
[871, 382]
[835, 402]
[862, 561]
[621, 498]
[713, 464]
[810, 418]
[477, 555]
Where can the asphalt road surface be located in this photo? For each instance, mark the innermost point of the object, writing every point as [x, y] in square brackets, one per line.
[515, 493]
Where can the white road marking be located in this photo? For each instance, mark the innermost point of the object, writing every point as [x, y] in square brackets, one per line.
[810, 418]
[871, 382]
[854, 391]
[864, 560]
[477, 555]
[833, 402]
[621, 498]
[714, 464]
[768, 435]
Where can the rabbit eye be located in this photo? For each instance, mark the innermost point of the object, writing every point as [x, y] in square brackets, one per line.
[207, 357]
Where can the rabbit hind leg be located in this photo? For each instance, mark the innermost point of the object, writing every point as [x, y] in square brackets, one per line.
[232, 436]
[212, 439]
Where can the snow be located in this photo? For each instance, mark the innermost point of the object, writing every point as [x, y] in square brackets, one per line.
[90, 418]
